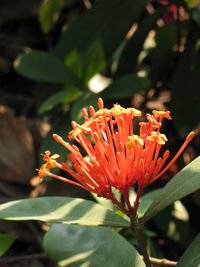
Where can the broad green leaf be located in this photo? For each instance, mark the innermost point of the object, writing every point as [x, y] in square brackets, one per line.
[74, 245]
[183, 184]
[167, 32]
[186, 94]
[134, 45]
[86, 64]
[146, 200]
[125, 87]
[84, 101]
[191, 257]
[61, 210]
[44, 67]
[65, 96]
[107, 21]
[162, 58]
[61, 127]
[6, 241]
[192, 3]
[107, 202]
[49, 13]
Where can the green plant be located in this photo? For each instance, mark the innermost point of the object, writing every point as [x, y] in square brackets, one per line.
[129, 47]
[118, 160]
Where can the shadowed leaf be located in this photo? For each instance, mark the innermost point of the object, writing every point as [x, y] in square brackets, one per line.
[89, 246]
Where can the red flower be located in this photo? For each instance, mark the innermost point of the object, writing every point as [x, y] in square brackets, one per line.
[172, 12]
[117, 157]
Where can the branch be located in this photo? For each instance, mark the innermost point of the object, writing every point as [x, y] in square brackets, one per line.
[162, 262]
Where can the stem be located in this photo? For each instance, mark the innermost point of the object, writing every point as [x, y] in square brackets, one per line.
[162, 262]
[119, 205]
[137, 201]
[136, 227]
[126, 199]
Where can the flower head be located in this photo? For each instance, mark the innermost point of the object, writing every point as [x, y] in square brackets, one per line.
[117, 156]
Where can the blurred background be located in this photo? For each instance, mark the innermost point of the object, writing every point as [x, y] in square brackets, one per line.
[58, 56]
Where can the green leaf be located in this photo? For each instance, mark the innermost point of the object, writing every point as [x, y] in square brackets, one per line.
[191, 257]
[73, 245]
[107, 21]
[125, 87]
[6, 241]
[166, 33]
[173, 222]
[183, 184]
[107, 202]
[195, 13]
[65, 96]
[61, 210]
[146, 200]
[134, 45]
[186, 94]
[87, 63]
[192, 3]
[44, 67]
[84, 101]
[49, 13]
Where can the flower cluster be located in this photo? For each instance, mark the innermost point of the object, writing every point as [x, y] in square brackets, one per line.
[117, 157]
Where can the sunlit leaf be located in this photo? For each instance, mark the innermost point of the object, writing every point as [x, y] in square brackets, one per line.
[86, 64]
[64, 96]
[191, 3]
[61, 210]
[107, 202]
[183, 184]
[73, 245]
[49, 14]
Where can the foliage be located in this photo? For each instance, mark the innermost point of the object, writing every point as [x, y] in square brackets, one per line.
[73, 225]
[138, 45]
[98, 39]
[6, 241]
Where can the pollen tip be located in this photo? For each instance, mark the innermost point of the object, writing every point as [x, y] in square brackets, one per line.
[100, 103]
[73, 123]
[57, 138]
[85, 114]
[166, 154]
[92, 111]
[190, 136]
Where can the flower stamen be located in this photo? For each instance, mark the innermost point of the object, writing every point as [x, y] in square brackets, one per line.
[117, 156]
